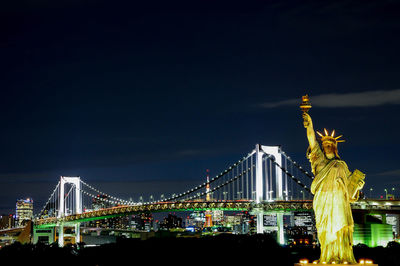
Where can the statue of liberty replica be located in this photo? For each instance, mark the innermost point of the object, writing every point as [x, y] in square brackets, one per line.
[334, 188]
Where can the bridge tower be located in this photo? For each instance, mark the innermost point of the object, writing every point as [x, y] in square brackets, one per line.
[76, 186]
[262, 182]
[208, 190]
[208, 213]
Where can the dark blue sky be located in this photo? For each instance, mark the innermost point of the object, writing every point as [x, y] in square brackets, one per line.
[141, 98]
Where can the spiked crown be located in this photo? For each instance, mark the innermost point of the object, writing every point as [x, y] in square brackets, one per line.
[330, 137]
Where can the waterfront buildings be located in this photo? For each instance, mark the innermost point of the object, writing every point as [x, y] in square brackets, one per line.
[24, 211]
[7, 221]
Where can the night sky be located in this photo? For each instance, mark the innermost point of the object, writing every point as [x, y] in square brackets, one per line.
[141, 98]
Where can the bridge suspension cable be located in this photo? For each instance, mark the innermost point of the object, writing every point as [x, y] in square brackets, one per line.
[48, 200]
[236, 184]
[116, 200]
[220, 186]
[298, 165]
[97, 197]
[213, 180]
[298, 182]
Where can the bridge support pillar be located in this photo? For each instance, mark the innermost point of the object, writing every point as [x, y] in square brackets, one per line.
[46, 235]
[281, 231]
[259, 213]
[61, 235]
[77, 233]
[260, 222]
[259, 175]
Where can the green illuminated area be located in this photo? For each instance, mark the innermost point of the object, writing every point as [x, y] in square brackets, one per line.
[372, 234]
[372, 231]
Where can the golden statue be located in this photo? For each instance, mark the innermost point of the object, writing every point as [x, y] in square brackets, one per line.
[334, 188]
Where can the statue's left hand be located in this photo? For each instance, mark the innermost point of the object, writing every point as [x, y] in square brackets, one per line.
[360, 184]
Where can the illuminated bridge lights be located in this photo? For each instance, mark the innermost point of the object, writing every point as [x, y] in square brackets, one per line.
[241, 205]
[197, 205]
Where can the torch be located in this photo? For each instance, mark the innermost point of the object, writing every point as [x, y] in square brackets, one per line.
[305, 106]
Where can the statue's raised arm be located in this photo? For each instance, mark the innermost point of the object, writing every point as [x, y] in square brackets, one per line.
[307, 122]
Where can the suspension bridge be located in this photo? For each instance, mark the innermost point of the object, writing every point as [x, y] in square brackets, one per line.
[264, 181]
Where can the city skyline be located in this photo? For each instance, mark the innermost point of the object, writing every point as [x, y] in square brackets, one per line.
[141, 99]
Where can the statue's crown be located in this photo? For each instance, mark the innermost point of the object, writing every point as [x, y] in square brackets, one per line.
[330, 137]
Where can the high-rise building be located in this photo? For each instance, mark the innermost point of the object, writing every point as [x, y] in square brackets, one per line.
[195, 219]
[230, 220]
[24, 211]
[141, 221]
[7, 221]
[208, 222]
[394, 221]
[172, 221]
[217, 216]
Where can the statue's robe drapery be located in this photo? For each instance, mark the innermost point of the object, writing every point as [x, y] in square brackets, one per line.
[331, 204]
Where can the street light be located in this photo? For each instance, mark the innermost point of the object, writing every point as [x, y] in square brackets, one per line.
[370, 192]
[286, 194]
[386, 193]
[270, 194]
[302, 192]
[239, 195]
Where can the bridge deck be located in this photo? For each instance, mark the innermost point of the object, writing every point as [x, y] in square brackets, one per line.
[240, 205]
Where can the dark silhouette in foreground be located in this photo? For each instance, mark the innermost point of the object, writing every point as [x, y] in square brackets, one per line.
[217, 250]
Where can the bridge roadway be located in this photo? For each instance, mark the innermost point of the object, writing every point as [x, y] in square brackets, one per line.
[366, 205]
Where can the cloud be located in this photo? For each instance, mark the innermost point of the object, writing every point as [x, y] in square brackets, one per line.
[395, 172]
[357, 99]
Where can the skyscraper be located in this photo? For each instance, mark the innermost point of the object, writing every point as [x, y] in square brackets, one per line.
[24, 211]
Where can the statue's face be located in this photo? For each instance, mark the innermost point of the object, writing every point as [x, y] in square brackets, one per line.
[328, 147]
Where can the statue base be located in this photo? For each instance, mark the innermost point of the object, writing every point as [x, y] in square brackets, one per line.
[320, 264]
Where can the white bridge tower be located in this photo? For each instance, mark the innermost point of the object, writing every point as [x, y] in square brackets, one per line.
[62, 211]
[262, 182]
